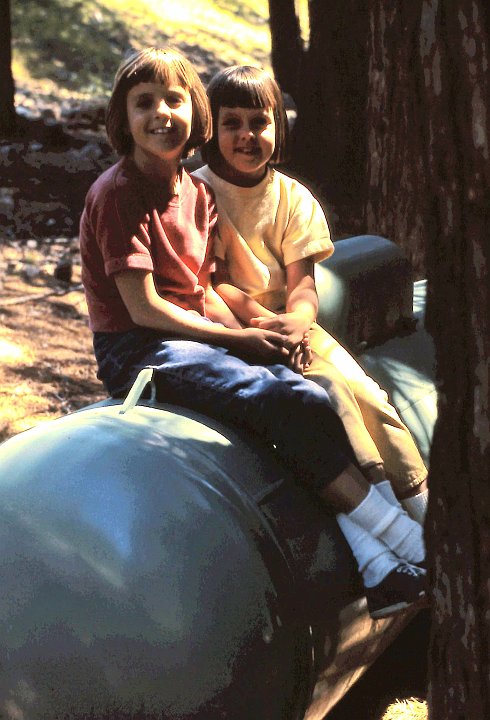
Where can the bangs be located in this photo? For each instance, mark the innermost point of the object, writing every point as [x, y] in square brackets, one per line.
[161, 67]
[242, 90]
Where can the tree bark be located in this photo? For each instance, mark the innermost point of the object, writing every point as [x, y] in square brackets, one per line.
[398, 202]
[425, 147]
[286, 44]
[454, 55]
[7, 107]
[328, 145]
[428, 169]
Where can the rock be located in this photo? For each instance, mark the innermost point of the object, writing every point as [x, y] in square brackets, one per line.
[91, 150]
[31, 272]
[87, 115]
[64, 269]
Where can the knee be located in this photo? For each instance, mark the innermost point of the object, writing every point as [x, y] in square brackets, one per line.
[368, 392]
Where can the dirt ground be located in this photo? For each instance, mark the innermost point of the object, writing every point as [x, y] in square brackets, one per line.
[46, 361]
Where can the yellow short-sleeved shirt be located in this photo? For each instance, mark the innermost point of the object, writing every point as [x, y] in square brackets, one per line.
[263, 229]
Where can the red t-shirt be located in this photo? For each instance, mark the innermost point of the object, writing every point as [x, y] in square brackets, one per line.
[130, 223]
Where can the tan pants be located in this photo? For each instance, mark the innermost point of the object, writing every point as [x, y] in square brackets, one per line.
[375, 430]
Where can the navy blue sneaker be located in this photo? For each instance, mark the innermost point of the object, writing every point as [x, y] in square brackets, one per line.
[402, 587]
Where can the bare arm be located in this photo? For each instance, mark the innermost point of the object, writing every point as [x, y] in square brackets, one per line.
[302, 297]
[148, 309]
[242, 305]
[301, 303]
[219, 311]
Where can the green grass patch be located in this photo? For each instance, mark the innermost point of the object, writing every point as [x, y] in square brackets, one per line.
[69, 47]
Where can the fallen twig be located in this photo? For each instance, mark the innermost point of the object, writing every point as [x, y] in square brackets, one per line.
[33, 297]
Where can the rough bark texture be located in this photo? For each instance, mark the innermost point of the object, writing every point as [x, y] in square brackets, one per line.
[428, 116]
[398, 202]
[453, 51]
[7, 110]
[329, 148]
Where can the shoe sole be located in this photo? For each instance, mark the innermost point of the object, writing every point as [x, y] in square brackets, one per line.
[397, 607]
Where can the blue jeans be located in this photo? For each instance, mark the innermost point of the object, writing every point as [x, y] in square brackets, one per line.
[290, 414]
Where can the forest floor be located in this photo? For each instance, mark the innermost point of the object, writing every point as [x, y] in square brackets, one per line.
[46, 360]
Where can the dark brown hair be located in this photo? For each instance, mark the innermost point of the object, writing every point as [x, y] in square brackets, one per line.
[156, 65]
[248, 87]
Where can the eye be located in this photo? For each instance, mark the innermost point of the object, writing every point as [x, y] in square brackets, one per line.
[260, 122]
[174, 99]
[144, 101]
[231, 123]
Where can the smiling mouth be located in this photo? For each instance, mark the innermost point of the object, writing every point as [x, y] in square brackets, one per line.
[162, 131]
[247, 151]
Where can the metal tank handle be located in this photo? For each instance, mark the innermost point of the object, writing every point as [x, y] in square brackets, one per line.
[144, 377]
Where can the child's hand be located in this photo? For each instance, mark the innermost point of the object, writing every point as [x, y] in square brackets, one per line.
[264, 344]
[300, 356]
[307, 351]
[291, 324]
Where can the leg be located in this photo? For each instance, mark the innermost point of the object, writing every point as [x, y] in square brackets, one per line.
[402, 462]
[391, 583]
[347, 408]
[273, 402]
[343, 401]
[270, 402]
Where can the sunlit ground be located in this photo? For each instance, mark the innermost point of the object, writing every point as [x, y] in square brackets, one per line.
[13, 354]
[80, 55]
[46, 359]
[411, 709]
[13, 413]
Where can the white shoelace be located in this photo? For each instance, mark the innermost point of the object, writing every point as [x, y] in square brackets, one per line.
[410, 570]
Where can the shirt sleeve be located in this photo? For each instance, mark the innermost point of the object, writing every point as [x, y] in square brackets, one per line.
[307, 233]
[122, 231]
[209, 263]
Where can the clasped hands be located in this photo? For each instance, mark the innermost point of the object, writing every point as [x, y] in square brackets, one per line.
[293, 326]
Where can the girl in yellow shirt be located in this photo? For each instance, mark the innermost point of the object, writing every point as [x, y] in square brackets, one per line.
[271, 232]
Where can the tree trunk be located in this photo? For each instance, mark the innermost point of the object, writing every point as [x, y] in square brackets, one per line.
[398, 204]
[329, 148]
[286, 44]
[454, 55]
[7, 108]
[429, 180]
[427, 160]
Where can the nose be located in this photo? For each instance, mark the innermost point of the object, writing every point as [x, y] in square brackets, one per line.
[163, 108]
[246, 131]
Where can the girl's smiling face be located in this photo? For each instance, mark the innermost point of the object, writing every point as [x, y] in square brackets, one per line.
[160, 122]
[246, 140]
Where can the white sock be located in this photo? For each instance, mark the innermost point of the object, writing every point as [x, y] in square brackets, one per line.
[386, 490]
[390, 524]
[374, 559]
[416, 506]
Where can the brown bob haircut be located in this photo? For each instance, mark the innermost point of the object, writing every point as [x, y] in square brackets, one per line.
[248, 87]
[156, 65]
